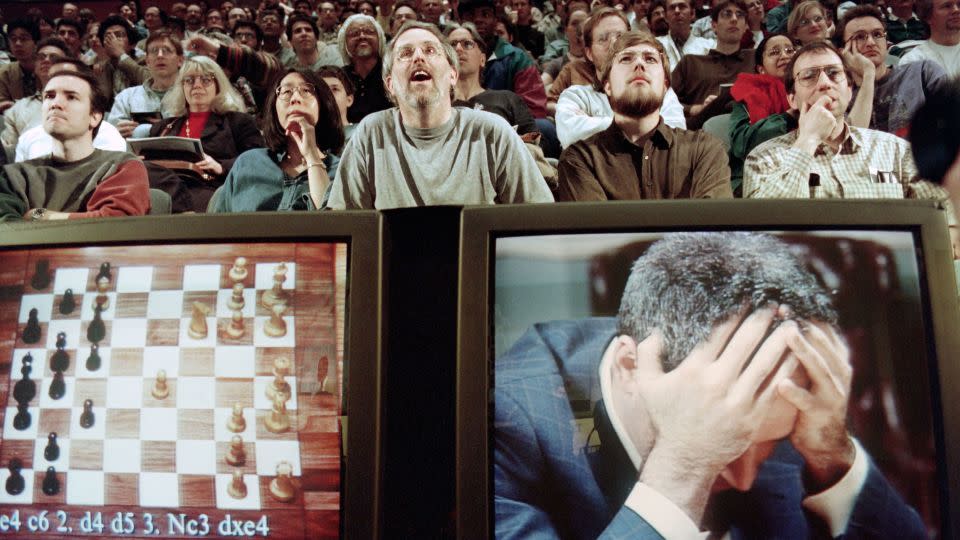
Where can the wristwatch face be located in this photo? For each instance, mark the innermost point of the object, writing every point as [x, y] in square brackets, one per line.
[37, 214]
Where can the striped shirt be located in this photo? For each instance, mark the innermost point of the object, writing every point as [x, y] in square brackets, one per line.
[870, 164]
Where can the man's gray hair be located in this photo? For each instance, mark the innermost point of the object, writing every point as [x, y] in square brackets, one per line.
[687, 283]
[419, 25]
[355, 18]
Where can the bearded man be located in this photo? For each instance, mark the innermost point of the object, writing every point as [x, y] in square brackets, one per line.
[638, 156]
[426, 152]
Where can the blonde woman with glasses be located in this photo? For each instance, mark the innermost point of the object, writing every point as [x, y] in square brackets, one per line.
[203, 105]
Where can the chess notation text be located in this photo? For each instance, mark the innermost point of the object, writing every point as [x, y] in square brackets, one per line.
[124, 523]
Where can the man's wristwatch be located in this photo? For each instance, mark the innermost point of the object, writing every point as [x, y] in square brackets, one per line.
[37, 214]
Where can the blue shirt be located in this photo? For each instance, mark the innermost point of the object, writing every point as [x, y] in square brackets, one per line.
[256, 183]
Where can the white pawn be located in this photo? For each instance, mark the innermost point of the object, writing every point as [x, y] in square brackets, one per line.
[237, 423]
[236, 299]
[275, 325]
[277, 421]
[275, 295]
[237, 456]
[237, 487]
[160, 388]
[239, 270]
[281, 487]
[279, 385]
[236, 329]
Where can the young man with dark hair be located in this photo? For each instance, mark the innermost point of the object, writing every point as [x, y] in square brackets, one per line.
[76, 180]
[898, 91]
[70, 31]
[676, 163]
[509, 68]
[248, 34]
[119, 70]
[17, 79]
[698, 79]
[26, 112]
[306, 50]
[680, 40]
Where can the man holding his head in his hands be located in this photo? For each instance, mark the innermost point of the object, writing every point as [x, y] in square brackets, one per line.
[723, 404]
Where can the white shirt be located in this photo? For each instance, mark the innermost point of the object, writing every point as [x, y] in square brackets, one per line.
[693, 45]
[834, 506]
[582, 111]
[36, 142]
[948, 56]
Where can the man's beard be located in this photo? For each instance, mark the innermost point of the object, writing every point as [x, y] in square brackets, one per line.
[421, 99]
[636, 102]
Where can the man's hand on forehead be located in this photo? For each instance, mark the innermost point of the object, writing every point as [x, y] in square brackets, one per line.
[708, 409]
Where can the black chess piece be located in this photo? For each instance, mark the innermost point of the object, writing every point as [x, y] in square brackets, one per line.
[86, 418]
[52, 451]
[104, 272]
[60, 361]
[97, 330]
[22, 420]
[26, 388]
[94, 361]
[15, 482]
[31, 332]
[68, 303]
[51, 484]
[41, 275]
[57, 386]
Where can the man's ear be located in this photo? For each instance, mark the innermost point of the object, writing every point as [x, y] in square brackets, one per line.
[792, 101]
[95, 119]
[606, 87]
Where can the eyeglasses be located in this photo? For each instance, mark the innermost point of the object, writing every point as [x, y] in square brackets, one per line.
[877, 35]
[362, 31]
[47, 56]
[813, 20]
[244, 35]
[465, 44]
[609, 37]
[630, 57]
[777, 51]
[810, 76]
[429, 50]
[205, 80]
[732, 14]
[157, 51]
[306, 90]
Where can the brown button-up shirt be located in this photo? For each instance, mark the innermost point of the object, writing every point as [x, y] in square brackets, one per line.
[671, 164]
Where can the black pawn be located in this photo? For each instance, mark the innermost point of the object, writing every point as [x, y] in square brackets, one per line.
[26, 387]
[104, 272]
[60, 361]
[52, 451]
[87, 418]
[41, 276]
[93, 361]
[97, 330]
[22, 420]
[15, 483]
[68, 303]
[31, 332]
[51, 484]
[57, 386]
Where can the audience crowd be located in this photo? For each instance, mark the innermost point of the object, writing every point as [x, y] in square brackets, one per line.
[341, 104]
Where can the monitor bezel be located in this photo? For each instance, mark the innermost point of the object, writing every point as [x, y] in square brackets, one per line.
[481, 226]
[361, 230]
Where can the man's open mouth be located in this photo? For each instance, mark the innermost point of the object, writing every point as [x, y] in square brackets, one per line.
[420, 75]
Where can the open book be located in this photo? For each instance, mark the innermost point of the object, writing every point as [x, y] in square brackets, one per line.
[168, 148]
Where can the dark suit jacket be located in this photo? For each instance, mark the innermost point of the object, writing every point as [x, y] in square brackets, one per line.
[547, 486]
[225, 137]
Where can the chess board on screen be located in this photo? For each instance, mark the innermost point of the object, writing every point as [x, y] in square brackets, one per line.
[172, 391]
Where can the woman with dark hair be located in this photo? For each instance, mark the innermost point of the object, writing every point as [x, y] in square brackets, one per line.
[303, 130]
[760, 108]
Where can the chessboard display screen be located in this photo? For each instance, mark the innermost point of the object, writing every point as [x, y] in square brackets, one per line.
[171, 391]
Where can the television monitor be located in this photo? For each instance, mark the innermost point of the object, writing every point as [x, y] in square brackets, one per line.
[572, 422]
[186, 376]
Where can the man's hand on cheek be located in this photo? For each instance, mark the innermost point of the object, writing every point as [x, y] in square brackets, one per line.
[820, 434]
[706, 411]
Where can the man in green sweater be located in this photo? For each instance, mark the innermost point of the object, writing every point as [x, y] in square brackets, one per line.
[75, 180]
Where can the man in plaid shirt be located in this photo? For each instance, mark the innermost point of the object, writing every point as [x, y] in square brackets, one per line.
[825, 157]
